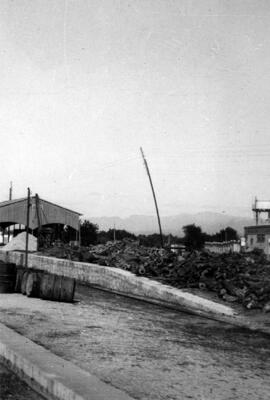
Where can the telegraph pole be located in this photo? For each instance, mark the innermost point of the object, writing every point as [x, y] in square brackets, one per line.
[10, 191]
[27, 227]
[154, 196]
[114, 233]
[10, 198]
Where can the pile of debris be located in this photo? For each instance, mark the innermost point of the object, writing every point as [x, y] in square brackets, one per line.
[242, 278]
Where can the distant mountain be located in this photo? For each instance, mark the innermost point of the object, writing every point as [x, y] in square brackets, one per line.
[209, 222]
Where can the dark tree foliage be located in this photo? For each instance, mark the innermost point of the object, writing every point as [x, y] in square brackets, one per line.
[229, 234]
[68, 234]
[118, 234]
[150, 240]
[223, 235]
[154, 240]
[194, 237]
[89, 233]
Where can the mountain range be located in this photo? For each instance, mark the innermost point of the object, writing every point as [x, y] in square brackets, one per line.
[210, 222]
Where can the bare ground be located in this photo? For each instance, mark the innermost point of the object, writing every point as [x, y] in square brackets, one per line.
[148, 351]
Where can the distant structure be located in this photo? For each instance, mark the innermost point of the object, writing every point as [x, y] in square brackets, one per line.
[261, 206]
[231, 246]
[258, 235]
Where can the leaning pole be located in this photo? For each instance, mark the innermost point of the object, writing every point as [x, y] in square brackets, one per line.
[154, 196]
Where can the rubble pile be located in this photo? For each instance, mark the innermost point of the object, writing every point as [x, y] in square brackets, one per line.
[242, 278]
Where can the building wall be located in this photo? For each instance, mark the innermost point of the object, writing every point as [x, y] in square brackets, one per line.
[258, 237]
[253, 242]
[223, 247]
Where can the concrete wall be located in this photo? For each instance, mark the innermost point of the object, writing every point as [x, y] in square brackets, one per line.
[123, 282]
[223, 247]
[252, 243]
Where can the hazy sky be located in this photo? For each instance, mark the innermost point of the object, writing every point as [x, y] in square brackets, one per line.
[84, 84]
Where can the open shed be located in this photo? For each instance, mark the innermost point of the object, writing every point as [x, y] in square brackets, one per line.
[41, 212]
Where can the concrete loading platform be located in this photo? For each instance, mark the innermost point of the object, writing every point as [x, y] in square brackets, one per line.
[144, 350]
[45, 370]
[51, 376]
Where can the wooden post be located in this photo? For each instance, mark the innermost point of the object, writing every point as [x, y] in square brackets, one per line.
[114, 233]
[27, 227]
[38, 218]
[10, 198]
[79, 233]
[154, 196]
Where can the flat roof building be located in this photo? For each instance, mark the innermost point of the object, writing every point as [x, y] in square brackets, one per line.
[258, 236]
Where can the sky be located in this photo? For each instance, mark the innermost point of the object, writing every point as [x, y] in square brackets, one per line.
[85, 83]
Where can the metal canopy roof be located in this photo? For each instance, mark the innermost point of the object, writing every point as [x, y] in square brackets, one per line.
[42, 212]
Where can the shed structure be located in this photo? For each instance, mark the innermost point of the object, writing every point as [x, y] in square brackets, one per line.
[41, 212]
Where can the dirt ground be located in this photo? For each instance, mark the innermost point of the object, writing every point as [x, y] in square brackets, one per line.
[148, 351]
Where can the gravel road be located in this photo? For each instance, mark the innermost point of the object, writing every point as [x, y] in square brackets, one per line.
[150, 352]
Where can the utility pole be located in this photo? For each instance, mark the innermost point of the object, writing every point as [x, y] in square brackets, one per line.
[114, 233]
[10, 191]
[154, 196]
[39, 220]
[80, 236]
[10, 198]
[27, 227]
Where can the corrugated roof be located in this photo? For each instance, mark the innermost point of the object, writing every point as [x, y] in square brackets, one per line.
[15, 211]
[9, 202]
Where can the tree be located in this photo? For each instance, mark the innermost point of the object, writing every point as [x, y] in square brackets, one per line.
[194, 237]
[152, 240]
[223, 235]
[118, 234]
[89, 233]
[230, 234]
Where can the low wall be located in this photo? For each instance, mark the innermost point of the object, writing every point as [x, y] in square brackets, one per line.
[123, 282]
[223, 247]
